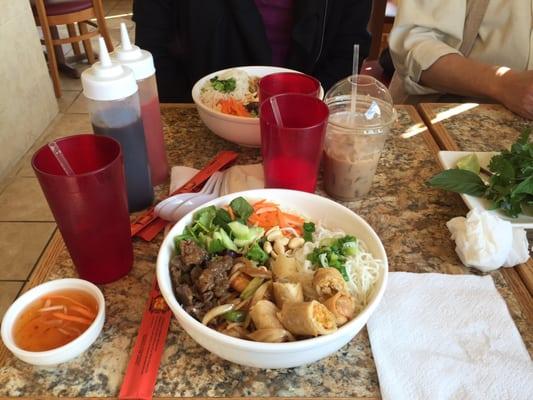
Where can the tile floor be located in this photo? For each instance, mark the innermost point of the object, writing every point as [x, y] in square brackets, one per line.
[26, 223]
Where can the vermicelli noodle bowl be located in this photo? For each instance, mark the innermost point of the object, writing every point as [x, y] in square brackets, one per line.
[232, 92]
[262, 272]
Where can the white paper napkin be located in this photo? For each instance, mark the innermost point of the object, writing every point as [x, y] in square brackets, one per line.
[236, 178]
[438, 336]
[486, 242]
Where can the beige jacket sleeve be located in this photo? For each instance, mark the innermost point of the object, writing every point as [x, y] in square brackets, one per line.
[424, 31]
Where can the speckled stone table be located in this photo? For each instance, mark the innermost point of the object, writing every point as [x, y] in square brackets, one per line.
[407, 215]
[479, 127]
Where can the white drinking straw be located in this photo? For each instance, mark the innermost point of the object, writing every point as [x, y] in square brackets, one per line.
[355, 70]
[61, 159]
[275, 110]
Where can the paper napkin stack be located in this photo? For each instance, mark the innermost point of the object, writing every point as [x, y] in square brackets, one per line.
[438, 336]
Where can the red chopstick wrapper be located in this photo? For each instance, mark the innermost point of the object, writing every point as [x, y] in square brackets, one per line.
[144, 361]
[141, 373]
[148, 225]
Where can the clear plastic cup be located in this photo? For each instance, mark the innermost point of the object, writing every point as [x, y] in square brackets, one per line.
[354, 140]
[292, 152]
[90, 207]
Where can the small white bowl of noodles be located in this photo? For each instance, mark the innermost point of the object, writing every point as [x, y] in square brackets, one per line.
[242, 130]
[305, 350]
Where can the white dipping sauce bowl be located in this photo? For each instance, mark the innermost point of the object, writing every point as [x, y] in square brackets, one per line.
[278, 355]
[63, 353]
[240, 130]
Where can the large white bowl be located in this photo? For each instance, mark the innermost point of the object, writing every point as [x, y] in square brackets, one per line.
[277, 355]
[241, 130]
[67, 351]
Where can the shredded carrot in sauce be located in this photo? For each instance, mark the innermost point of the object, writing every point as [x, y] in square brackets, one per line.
[82, 311]
[59, 297]
[72, 318]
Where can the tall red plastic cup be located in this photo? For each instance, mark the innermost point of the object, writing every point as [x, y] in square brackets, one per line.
[292, 151]
[91, 206]
[287, 82]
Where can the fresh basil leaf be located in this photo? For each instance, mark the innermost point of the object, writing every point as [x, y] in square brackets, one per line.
[525, 186]
[241, 208]
[459, 181]
[205, 216]
[502, 167]
[222, 218]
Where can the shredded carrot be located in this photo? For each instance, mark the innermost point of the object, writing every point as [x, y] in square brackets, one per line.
[262, 204]
[59, 297]
[282, 220]
[268, 215]
[82, 311]
[263, 210]
[72, 318]
[233, 107]
[293, 219]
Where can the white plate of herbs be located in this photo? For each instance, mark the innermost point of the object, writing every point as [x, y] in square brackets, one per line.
[501, 182]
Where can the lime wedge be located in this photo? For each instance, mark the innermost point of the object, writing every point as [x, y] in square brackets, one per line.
[469, 163]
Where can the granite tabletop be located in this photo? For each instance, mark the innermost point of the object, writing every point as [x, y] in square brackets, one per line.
[475, 127]
[408, 217]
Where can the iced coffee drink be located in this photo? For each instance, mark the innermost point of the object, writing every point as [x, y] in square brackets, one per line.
[354, 141]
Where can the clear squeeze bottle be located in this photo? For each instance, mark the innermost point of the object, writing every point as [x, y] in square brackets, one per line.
[115, 111]
[142, 64]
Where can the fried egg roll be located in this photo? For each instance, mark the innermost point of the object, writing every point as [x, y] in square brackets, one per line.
[342, 305]
[263, 314]
[287, 293]
[283, 267]
[307, 319]
[328, 281]
[271, 335]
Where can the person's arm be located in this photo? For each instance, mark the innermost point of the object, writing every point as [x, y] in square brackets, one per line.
[423, 44]
[423, 33]
[456, 74]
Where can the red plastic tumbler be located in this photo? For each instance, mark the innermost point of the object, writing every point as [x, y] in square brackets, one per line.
[292, 146]
[90, 206]
[287, 82]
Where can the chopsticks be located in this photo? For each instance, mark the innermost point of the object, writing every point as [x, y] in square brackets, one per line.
[148, 225]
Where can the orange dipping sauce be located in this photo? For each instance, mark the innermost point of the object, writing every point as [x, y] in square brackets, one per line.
[54, 320]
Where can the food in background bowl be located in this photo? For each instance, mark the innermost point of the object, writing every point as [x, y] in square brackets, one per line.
[322, 311]
[242, 130]
[232, 92]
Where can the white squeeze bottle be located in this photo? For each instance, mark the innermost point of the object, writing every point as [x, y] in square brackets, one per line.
[141, 63]
[114, 108]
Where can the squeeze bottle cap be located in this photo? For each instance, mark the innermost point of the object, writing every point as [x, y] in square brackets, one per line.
[140, 61]
[107, 80]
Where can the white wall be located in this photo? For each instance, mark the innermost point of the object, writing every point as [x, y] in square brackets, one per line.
[27, 101]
